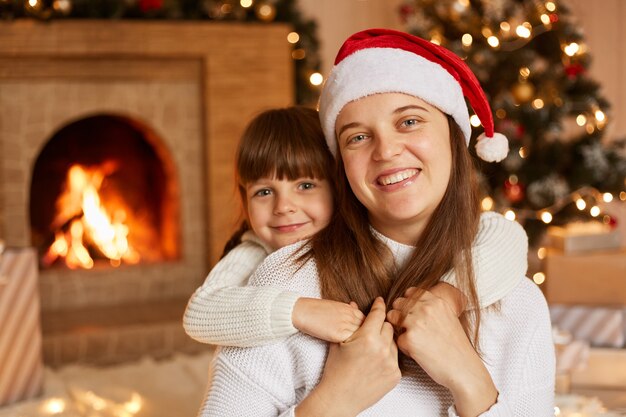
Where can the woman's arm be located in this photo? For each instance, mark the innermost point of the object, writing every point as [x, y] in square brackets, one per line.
[499, 256]
[223, 311]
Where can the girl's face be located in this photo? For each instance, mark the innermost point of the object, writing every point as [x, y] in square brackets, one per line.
[397, 158]
[282, 212]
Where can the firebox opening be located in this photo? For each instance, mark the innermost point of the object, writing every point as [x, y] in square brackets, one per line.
[104, 192]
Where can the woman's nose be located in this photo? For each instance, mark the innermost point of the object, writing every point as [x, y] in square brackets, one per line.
[386, 147]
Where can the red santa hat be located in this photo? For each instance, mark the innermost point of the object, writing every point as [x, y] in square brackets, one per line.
[387, 61]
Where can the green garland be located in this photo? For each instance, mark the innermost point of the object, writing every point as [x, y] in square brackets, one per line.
[306, 59]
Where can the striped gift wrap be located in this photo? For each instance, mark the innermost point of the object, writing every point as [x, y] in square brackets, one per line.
[601, 326]
[21, 364]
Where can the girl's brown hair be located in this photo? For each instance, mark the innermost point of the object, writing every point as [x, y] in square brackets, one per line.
[283, 143]
[354, 265]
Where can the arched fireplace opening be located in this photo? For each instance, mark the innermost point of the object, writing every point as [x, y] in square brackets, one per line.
[104, 192]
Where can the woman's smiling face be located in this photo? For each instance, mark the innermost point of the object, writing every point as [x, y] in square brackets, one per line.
[396, 153]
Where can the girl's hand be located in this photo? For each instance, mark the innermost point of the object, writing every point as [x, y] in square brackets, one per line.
[358, 372]
[327, 320]
[434, 338]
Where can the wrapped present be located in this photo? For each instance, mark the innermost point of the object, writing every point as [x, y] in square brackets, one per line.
[584, 237]
[597, 278]
[600, 326]
[20, 335]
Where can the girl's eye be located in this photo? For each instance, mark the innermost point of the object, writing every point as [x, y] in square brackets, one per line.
[306, 186]
[263, 192]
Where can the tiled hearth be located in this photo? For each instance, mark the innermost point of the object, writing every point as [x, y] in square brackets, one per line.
[192, 86]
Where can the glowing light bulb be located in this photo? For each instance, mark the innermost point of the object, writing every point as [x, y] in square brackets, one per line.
[474, 120]
[600, 115]
[550, 6]
[581, 119]
[493, 41]
[467, 39]
[571, 49]
[487, 203]
[594, 211]
[523, 152]
[293, 37]
[546, 217]
[539, 278]
[316, 78]
[54, 406]
[538, 103]
[607, 197]
[505, 26]
[622, 195]
[541, 252]
[580, 204]
[524, 72]
[545, 19]
[509, 215]
[523, 30]
[245, 3]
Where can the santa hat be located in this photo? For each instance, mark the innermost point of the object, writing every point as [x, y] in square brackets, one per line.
[387, 61]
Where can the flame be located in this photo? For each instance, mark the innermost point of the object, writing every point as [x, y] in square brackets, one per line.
[82, 221]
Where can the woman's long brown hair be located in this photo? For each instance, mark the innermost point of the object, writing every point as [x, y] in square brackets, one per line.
[354, 265]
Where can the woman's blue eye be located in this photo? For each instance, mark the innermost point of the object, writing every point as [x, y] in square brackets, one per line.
[358, 138]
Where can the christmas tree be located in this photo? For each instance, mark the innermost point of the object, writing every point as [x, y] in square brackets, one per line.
[304, 38]
[533, 64]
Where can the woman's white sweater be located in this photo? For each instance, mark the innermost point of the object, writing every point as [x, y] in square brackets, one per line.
[226, 312]
[270, 380]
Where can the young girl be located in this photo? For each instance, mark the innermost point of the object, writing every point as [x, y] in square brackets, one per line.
[284, 173]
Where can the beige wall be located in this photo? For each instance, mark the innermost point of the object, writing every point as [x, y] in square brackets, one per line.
[602, 21]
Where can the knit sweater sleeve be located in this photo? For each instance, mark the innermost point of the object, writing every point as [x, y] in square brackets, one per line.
[499, 256]
[526, 387]
[225, 311]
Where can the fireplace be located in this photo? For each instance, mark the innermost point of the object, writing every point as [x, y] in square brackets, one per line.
[144, 117]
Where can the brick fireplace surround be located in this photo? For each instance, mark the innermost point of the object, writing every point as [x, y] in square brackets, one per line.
[194, 85]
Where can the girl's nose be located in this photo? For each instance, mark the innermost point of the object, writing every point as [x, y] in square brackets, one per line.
[284, 205]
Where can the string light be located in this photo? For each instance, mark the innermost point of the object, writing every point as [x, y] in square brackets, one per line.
[487, 203]
[293, 37]
[546, 217]
[493, 41]
[545, 19]
[509, 215]
[607, 197]
[467, 40]
[538, 104]
[523, 152]
[594, 211]
[581, 119]
[571, 49]
[245, 3]
[524, 30]
[505, 26]
[600, 115]
[316, 78]
[524, 72]
[474, 120]
[539, 278]
[54, 406]
[550, 6]
[580, 204]
[541, 253]
[622, 196]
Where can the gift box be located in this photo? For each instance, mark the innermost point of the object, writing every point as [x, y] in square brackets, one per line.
[584, 237]
[600, 326]
[586, 278]
[21, 364]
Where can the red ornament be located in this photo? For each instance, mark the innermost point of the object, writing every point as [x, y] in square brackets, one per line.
[554, 18]
[405, 11]
[513, 192]
[147, 5]
[574, 70]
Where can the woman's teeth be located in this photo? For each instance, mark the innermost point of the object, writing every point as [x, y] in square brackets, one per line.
[397, 177]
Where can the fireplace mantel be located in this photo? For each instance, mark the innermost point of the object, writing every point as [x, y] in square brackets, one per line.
[242, 69]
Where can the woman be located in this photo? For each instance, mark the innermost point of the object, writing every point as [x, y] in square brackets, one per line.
[394, 115]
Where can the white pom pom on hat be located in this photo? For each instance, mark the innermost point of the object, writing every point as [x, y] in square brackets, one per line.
[387, 61]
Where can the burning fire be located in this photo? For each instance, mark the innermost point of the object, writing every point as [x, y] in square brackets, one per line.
[83, 222]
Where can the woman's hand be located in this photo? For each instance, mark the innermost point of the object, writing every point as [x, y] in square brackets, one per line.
[358, 372]
[328, 320]
[434, 338]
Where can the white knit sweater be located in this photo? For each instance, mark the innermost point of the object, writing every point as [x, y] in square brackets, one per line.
[226, 312]
[270, 380]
